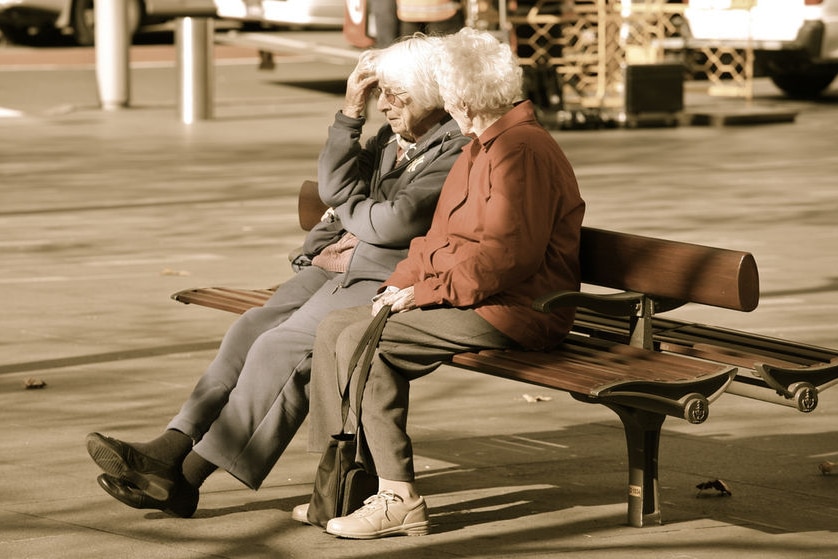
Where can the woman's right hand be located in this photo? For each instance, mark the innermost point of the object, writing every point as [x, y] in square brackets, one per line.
[359, 84]
[400, 300]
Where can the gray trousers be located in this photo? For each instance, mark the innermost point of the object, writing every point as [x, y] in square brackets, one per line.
[413, 344]
[254, 396]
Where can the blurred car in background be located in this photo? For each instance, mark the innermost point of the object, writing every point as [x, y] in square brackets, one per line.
[296, 13]
[23, 20]
[795, 42]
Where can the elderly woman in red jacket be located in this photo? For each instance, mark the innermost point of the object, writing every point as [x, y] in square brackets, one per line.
[505, 231]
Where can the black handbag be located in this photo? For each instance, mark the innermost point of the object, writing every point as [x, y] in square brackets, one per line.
[341, 484]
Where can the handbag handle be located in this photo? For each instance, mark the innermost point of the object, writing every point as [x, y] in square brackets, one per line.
[366, 346]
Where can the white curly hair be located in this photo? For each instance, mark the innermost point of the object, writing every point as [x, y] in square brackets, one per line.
[475, 70]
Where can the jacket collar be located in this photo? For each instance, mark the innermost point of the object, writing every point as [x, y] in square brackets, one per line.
[445, 127]
[522, 113]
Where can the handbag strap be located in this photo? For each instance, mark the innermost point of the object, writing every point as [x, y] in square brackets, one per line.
[366, 348]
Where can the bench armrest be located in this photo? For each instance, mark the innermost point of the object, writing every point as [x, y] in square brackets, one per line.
[624, 303]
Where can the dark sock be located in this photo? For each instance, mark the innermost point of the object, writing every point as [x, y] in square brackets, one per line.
[170, 447]
[196, 470]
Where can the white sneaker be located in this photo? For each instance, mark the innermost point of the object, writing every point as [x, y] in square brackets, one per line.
[384, 514]
[300, 514]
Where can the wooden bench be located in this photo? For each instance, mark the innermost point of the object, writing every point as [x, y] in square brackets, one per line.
[618, 367]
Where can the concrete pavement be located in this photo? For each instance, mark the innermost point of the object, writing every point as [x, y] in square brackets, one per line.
[104, 214]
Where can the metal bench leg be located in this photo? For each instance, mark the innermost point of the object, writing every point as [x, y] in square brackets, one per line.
[643, 430]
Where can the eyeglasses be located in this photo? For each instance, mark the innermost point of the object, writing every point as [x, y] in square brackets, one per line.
[389, 96]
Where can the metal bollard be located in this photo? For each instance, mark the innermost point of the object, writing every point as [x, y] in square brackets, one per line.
[112, 42]
[194, 38]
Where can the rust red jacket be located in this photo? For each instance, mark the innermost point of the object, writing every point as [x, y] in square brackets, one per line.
[505, 231]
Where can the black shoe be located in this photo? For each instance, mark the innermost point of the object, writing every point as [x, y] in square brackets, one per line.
[182, 503]
[122, 461]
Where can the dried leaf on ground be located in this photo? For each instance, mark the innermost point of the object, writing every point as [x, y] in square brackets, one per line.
[170, 272]
[717, 484]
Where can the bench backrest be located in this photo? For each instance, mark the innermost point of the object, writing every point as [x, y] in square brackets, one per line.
[310, 208]
[661, 268]
[669, 269]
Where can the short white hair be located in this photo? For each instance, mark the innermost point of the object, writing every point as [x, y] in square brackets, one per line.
[407, 65]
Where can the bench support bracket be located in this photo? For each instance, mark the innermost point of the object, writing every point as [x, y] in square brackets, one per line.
[641, 324]
[643, 430]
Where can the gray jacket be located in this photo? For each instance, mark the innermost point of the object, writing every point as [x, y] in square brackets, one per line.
[384, 206]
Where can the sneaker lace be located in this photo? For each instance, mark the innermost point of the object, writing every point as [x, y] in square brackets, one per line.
[380, 500]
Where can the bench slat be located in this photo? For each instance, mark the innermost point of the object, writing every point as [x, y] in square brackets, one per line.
[603, 372]
[768, 348]
[224, 298]
[723, 354]
[592, 369]
[743, 348]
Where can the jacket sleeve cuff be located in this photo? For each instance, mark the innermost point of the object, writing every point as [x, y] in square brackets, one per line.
[348, 121]
[425, 293]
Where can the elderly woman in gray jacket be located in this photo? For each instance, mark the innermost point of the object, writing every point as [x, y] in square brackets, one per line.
[254, 396]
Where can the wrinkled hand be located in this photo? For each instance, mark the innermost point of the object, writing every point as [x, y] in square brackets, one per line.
[399, 301]
[359, 84]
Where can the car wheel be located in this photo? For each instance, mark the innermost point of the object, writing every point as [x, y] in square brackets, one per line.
[32, 36]
[83, 20]
[806, 84]
[18, 35]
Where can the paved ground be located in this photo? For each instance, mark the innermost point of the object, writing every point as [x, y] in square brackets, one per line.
[104, 215]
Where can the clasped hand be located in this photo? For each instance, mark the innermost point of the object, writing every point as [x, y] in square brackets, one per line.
[399, 301]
